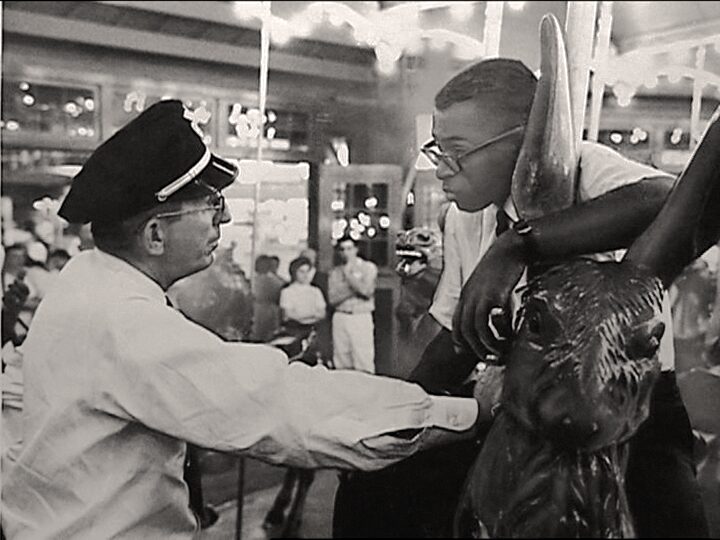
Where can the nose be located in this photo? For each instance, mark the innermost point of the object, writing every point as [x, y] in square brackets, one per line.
[564, 418]
[443, 172]
[226, 216]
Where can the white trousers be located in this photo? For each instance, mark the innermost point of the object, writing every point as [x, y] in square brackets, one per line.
[353, 341]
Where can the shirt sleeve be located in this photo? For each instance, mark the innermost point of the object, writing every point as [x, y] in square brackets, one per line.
[338, 289]
[179, 379]
[289, 304]
[447, 293]
[602, 169]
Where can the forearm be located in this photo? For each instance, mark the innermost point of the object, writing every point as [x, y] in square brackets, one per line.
[338, 297]
[611, 221]
[364, 286]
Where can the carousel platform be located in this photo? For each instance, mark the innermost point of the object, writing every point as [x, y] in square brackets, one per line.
[262, 483]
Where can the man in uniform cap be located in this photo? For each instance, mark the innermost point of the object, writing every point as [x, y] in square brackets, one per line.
[117, 382]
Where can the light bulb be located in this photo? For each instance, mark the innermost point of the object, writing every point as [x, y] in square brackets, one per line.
[386, 67]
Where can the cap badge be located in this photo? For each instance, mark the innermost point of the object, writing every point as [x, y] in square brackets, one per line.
[199, 116]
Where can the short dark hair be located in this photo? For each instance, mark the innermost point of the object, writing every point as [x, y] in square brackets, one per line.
[298, 263]
[119, 236]
[19, 246]
[262, 264]
[113, 237]
[346, 238]
[274, 263]
[501, 82]
[61, 253]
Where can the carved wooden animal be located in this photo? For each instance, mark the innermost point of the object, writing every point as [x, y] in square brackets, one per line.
[419, 266]
[579, 375]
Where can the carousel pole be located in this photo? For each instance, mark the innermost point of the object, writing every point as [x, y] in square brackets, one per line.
[602, 49]
[264, 63]
[579, 31]
[696, 106]
[266, 22]
[493, 27]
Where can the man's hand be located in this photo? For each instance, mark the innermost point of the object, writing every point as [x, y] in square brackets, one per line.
[483, 318]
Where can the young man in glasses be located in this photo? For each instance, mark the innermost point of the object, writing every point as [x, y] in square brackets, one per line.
[117, 382]
[478, 128]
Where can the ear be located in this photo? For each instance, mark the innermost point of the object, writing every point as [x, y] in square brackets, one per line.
[544, 178]
[689, 222]
[152, 237]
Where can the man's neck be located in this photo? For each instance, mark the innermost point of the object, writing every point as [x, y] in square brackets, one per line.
[149, 268]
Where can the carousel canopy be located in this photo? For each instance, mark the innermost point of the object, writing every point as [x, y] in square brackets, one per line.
[364, 40]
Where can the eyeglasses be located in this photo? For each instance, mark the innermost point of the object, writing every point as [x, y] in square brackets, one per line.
[433, 152]
[216, 203]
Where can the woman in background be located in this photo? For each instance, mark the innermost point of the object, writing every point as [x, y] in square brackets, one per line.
[302, 304]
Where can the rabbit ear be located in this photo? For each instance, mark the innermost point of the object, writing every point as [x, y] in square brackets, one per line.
[689, 222]
[544, 178]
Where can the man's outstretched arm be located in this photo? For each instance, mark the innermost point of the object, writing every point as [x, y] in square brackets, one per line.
[611, 221]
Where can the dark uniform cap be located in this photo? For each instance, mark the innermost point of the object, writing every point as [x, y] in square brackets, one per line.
[154, 157]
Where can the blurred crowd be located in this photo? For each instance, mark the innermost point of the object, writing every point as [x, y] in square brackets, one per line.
[696, 315]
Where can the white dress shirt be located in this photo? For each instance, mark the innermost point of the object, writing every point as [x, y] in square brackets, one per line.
[468, 235]
[116, 382]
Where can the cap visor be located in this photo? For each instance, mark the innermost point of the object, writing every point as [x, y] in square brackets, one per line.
[219, 173]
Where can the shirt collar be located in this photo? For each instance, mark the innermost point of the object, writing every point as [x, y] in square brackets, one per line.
[510, 210]
[132, 277]
[508, 207]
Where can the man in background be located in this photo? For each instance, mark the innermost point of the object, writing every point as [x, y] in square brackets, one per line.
[351, 291]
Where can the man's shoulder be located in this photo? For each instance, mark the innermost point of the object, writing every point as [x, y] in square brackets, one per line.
[593, 148]
[594, 154]
[602, 169]
[288, 289]
[369, 265]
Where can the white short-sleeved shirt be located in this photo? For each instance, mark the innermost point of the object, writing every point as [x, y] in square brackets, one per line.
[116, 382]
[468, 235]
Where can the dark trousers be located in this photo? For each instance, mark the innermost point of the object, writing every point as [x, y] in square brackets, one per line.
[417, 497]
[193, 478]
[662, 488]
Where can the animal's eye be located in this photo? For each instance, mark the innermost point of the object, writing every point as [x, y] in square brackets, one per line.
[645, 340]
[539, 322]
[534, 322]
